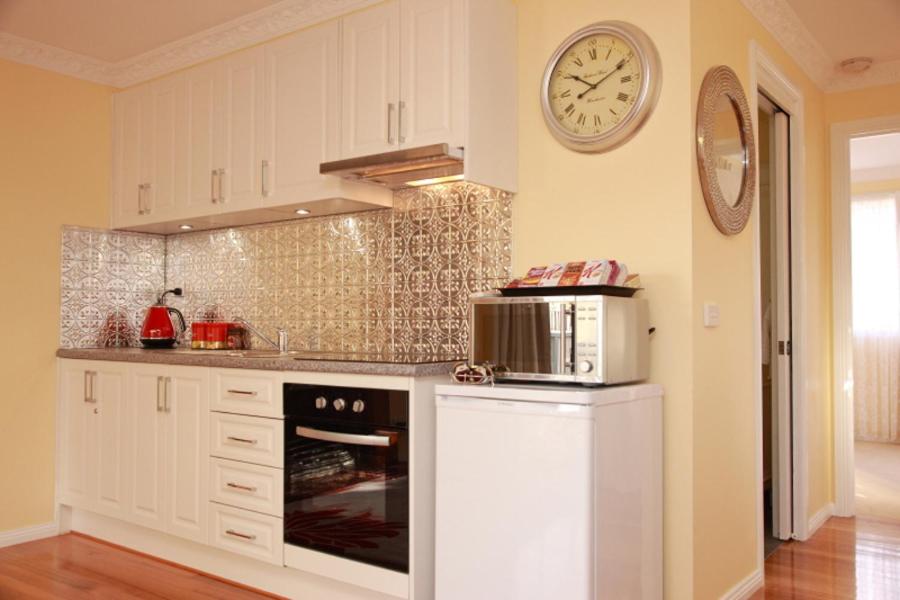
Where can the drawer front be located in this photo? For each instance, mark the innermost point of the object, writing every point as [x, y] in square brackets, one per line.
[247, 486]
[247, 533]
[250, 439]
[247, 392]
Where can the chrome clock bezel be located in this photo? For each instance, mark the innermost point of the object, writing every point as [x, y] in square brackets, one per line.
[648, 95]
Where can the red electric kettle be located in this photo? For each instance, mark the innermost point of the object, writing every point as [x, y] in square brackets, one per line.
[159, 331]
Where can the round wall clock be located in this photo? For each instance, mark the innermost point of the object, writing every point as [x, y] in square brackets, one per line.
[600, 86]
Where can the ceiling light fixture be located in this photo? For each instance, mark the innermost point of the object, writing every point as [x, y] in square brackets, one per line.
[434, 180]
[302, 211]
[185, 227]
[857, 64]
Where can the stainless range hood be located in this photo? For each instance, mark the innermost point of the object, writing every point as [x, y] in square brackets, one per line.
[400, 169]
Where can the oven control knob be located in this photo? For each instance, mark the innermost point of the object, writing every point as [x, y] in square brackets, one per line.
[585, 366]
[321, 402]
[339, 404]
[359, 406]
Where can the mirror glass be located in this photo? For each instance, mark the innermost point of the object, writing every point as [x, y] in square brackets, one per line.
[731, 156]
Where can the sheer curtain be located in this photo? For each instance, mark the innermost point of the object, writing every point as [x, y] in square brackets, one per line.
[876, 317]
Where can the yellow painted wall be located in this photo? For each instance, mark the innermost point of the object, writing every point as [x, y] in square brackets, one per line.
[54, 170]
[632, 204]
[867, 103]
[725, 491]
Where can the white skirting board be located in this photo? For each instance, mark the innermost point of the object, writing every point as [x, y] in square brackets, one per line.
[28, 534]
[283, 581]
[745, 588]
[818, 519]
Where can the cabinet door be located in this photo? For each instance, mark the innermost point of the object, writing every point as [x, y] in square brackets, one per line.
[187, 447]
[204, 88]
[168, 156]
[243, 103]
[132, 140]
[432, 93]
[302, 114]
[110, 439]
[146, 428]
[76, 433]
[370, 92]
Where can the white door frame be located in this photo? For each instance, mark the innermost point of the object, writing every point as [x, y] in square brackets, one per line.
[842, 302]
[766, 76]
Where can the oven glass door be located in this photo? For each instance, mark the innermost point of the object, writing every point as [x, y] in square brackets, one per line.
[347, 491]
[524, 337]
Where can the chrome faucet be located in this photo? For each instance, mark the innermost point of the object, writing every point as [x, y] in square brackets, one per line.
[281, 345]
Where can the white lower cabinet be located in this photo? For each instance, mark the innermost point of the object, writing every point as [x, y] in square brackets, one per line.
[249, 533]
[243, 485]
[169, 427]
[93, 436]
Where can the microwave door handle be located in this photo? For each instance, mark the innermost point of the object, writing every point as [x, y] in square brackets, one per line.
[345, 438]
[567, 339]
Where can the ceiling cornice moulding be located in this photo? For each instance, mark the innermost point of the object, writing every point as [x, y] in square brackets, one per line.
[243, 32]
[782, 22]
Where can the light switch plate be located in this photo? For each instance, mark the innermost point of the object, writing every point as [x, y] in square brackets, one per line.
[710, 314]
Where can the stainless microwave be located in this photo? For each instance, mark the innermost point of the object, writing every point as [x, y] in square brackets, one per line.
[594, 340]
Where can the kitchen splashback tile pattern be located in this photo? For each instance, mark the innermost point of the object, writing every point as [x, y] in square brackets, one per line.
[389, 282]
[107, 279]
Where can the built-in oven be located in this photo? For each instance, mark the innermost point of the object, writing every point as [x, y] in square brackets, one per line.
[346, 471]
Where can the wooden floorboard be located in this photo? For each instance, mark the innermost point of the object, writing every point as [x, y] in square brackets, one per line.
[852, 559]
[74, 567]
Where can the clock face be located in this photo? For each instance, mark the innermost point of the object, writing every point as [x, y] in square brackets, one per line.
[600, 86]
[595, 84]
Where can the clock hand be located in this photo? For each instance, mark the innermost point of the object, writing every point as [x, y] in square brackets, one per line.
[577, 78]
[593, 86]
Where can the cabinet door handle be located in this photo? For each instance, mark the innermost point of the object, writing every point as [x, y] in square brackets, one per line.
[243, 536]
[159, 394]
[264, 176]
[167, 406]
[89, 387]
[220, 176]
[140, 199]
[242, 440]
[212, 186]
[243, 488]
[390, 123]
[401, 135]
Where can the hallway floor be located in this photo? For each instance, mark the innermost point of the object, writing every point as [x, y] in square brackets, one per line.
[856, 558]
[878, 480]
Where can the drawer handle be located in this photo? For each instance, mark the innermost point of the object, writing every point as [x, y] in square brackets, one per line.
[243, 488]
[242, 440]
[242, 393]
[237, 534]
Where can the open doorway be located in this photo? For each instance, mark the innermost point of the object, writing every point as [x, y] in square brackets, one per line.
[775, 303]
[875, 293]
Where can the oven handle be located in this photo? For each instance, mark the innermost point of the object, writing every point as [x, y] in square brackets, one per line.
[345, 438]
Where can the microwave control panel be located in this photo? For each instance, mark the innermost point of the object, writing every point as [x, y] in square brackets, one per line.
[587, 340]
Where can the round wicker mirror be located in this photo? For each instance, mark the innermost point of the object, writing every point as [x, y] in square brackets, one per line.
[726, 152]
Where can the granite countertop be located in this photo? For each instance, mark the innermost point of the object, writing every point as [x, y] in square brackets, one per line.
[363, 364]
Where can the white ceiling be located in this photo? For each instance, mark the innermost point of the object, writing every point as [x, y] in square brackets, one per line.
[819, 34]
[115, 30]
[855, 28]
[875, 157]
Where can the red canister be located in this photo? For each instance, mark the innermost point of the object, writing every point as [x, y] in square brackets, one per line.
[198, 335]
[216, 335]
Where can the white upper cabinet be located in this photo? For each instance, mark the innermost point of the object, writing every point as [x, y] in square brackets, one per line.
[167, 174]
[432, 74]
[132, 151]
[242, 179]
[302, 112]
[205, 130]
[370, 92]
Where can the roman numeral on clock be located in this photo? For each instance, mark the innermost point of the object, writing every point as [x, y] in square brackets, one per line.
[626, 79]
[581, 118]
[566, 94]
[570, 109]
[597, 120]
[578, 62]
[593, 53]
[622, 96]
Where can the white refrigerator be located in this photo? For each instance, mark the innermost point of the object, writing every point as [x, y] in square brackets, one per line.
[548, 493]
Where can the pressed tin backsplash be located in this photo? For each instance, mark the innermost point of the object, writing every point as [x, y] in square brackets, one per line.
[388, 282]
